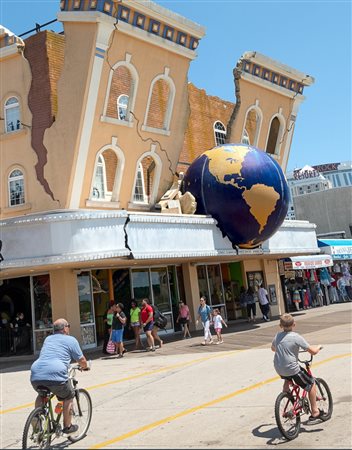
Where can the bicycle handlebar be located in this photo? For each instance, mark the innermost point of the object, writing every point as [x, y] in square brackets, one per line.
[76, 366]
[311, 356]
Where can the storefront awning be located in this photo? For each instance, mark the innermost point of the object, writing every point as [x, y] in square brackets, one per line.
[307, 262]
[337, 248]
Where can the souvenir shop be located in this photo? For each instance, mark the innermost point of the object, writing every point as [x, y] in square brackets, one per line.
[340, 251]
[306, 281]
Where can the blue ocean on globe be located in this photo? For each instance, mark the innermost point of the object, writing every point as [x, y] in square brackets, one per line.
[243, 188]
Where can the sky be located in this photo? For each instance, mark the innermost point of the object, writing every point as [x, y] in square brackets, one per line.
[313, 37]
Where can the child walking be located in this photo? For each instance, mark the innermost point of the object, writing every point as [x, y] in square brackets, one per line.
[218, 322]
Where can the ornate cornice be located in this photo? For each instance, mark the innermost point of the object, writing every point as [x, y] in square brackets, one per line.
[144, 16]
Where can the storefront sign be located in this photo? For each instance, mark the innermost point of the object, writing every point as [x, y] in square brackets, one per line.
[339, 252]
[308, 262]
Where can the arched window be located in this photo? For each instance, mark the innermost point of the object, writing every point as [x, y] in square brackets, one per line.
[219, 133]
[245, 138]
[122, 106]
[252, 126]
[139, 191]
[12, 115]
[121, 93]
[99, 185]
[275, 136]
[105, 173]
[146, 181]
[16, 188]
[159, 104]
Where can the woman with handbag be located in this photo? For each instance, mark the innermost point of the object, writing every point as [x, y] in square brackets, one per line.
[184, 319]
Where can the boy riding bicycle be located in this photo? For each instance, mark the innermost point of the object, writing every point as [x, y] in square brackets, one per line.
[286, 346]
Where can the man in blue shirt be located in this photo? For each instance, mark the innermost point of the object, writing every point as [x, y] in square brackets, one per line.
[51, 368]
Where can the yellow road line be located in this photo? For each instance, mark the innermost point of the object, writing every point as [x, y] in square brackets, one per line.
[16, 408]
[136, 376]
[202, 406]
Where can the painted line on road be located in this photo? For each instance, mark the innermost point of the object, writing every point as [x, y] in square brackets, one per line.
[140, 375]
[186, 412]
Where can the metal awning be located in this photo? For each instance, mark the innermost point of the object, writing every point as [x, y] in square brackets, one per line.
[337, 248]
[308, 262]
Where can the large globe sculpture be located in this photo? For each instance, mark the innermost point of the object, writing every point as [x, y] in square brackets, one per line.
[243, 188]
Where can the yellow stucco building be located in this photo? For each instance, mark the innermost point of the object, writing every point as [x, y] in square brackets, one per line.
[96, 122]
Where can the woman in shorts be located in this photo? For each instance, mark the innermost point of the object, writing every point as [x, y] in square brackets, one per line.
[184, 319]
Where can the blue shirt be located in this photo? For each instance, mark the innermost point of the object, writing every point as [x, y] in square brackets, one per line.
[55, 357]
[204, 313]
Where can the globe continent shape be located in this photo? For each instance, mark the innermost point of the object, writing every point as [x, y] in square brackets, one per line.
[243, 188]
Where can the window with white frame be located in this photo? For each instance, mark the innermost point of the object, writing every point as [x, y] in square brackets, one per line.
[99, 185]
[121, 92]
[16, 188]
[122, 106]
[252, 126]
[139, 190]
[245, 137]
[160, 104]
[106, 176]
[219, 133]
[12, 115]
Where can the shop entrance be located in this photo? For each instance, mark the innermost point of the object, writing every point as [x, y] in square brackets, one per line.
[15, 297]
[162, 285]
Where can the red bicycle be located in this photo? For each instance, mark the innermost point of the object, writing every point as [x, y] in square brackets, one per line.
[290, 406]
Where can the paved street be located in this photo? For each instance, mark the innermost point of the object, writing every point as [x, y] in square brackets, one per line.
[189, 396]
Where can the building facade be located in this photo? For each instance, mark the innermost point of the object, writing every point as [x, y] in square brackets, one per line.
[97, 123]
[318, 178]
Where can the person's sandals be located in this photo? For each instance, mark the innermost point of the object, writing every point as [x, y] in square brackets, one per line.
[318, 417]
[71, 429]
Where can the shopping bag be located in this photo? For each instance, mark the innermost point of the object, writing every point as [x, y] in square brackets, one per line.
[110, 348]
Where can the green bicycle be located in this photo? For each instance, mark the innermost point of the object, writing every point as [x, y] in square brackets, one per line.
[42, 426]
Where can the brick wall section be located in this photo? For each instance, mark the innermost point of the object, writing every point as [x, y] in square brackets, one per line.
[199, 136]
[121, 83]
[55, 44]
[111, 162]
[40, 97]
[158, 105]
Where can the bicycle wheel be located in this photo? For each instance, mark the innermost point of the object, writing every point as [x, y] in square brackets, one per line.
[324, 398]
[36, 433]
[81, 414]
[287, 421]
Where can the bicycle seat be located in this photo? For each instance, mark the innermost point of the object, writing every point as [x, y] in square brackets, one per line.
[43, 391]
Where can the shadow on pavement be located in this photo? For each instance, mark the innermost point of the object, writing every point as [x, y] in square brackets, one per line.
[274, 435]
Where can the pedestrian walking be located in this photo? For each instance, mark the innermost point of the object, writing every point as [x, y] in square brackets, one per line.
[135, 323]
[264, 303]
[156, 315]
[218, 323]
[184, 319]
[204, 314]
[148, 323]
[118, 324]
[251, 306]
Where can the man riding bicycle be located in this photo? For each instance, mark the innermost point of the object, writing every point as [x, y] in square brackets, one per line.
[50, 370]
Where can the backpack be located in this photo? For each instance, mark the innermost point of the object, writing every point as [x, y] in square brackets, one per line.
[159, 319]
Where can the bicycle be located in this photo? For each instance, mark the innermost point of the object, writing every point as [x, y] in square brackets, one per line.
[289, 406]
[42, 426]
